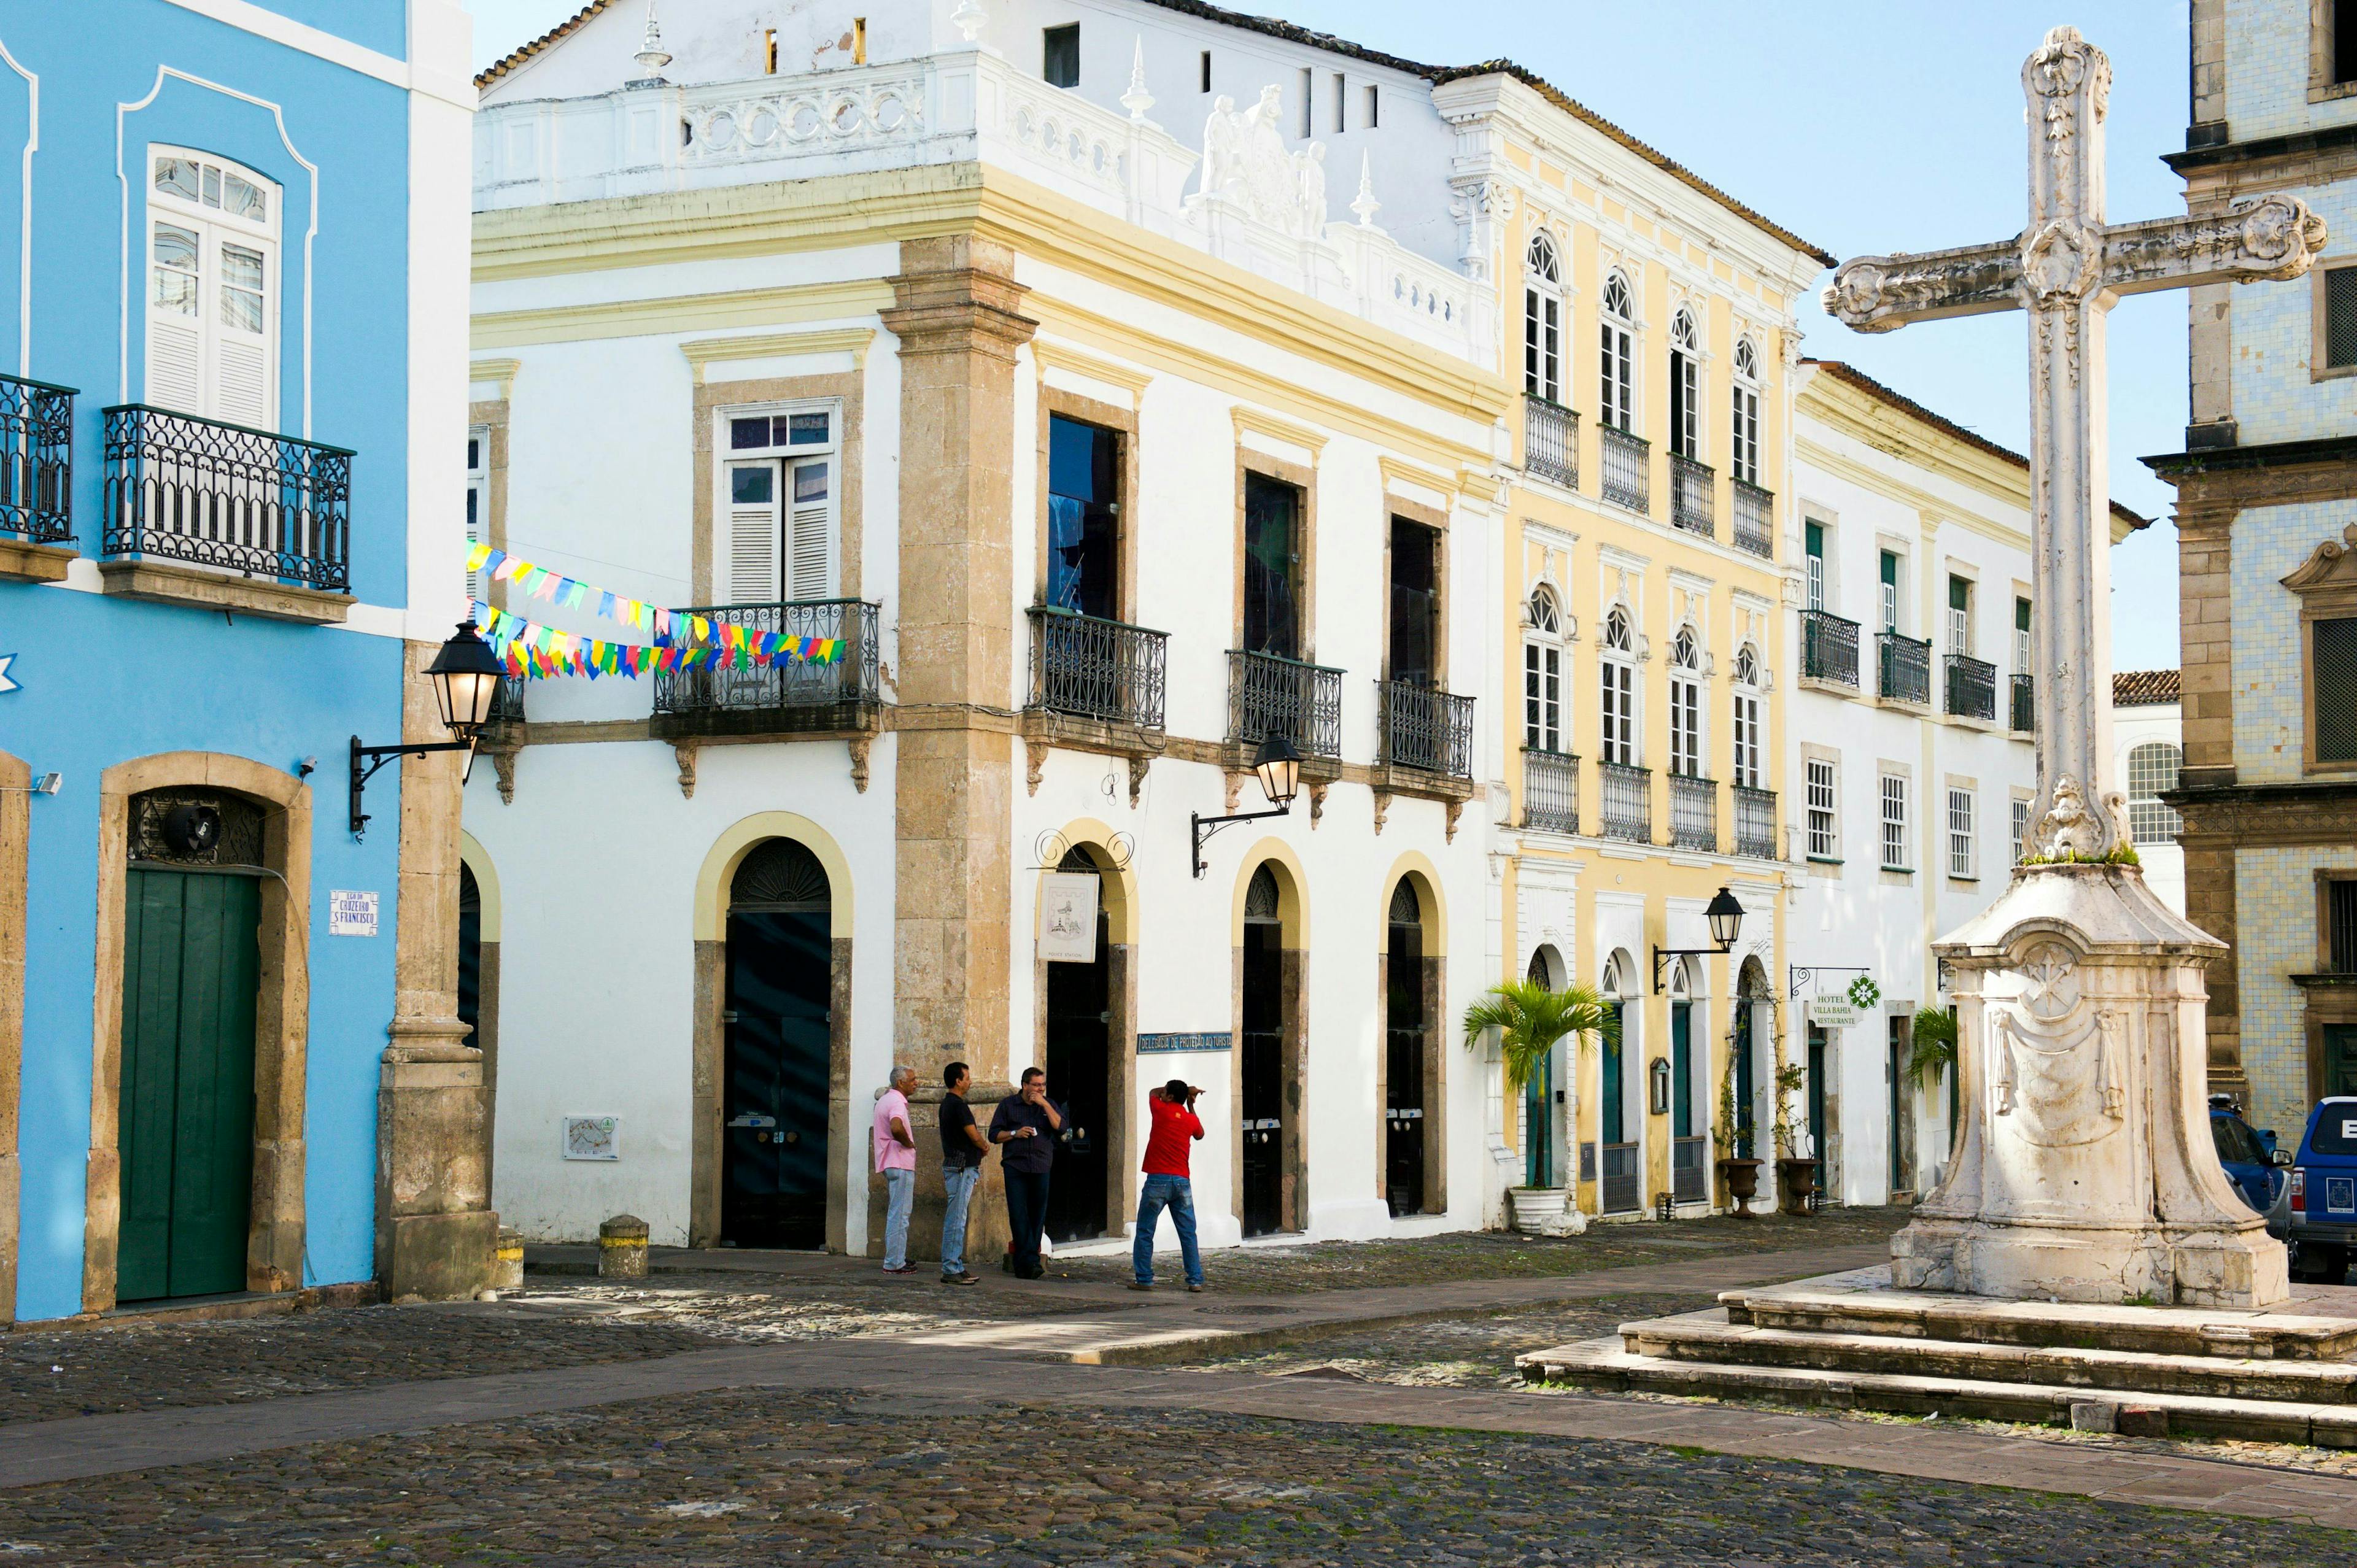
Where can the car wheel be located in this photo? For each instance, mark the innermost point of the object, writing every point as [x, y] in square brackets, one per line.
[2320, 1265]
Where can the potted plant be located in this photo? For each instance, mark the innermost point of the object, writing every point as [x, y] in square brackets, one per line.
[1796, 1166]
[1736, 1167]
[1530, 1019]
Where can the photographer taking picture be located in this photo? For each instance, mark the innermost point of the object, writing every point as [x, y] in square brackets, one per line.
[1168, 1184]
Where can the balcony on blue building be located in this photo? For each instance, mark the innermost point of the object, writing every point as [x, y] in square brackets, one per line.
[37, 536]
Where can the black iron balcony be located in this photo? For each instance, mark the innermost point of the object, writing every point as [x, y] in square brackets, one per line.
[1269, 695]
[1550, 442]
[1755, 518]
[2024, 704]
[1097, 669]
[1906, 667]
[1628, 464]
[1828, 648]
[1692, 487]
[1971, 686]
[1424, 728]
[36, 461]
[209, 494]
[1689, 1172]
[1694, 814]
[1550, 791]
[785, 698]
[1755, 822]
[1626, 795]
[507, 706]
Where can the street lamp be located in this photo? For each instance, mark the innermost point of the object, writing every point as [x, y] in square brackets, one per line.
[1277, 766]
[466, 676]
[1724, 916]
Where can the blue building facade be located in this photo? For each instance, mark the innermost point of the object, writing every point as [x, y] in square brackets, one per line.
[232, 274]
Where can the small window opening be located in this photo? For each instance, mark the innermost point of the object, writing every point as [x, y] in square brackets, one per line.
[1308, 93]
[1207, 70]
[1371, 106]
[859, 40]
[2344, 41]
[1341, 103]
[1060, 64]
[2341, 313]
[769, 50]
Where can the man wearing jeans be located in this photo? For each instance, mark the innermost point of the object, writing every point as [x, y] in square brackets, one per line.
[963, 1147]
[896, 1160]
[1166, 1183]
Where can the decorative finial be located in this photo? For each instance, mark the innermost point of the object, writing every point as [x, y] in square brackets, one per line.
[1365, 204]
[1137, 101]
[969, 19]
[651, 56]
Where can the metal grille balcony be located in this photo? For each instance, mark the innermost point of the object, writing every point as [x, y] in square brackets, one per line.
[1694, 814]
[507, 706]
[1551, 792]
[1755, 518]
[1693, 487]
[1550, 442]
[1627, 467]
[1624, 1180]
[2024, 704]
[1097, 669]
[780, 698]
[1627, 796]
[184, 488]
[1689, 1170]
[1425, 727]
[1272, 695]
[1828, 648]
[1755, 822]
[1906, 667]
[36, 461]
[1972, 686]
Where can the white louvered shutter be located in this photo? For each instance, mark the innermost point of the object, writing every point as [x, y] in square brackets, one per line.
[478, 504]
[811, 561]
[212, 290]
[752, 533]
[175, 316]
[243, 310]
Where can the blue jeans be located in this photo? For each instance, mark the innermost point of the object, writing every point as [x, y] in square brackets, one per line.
[960, 1185]
[1177, 1194]
[899, 1196]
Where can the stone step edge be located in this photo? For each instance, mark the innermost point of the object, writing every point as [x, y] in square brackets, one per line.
[2160, 1330]
[1603, 1365]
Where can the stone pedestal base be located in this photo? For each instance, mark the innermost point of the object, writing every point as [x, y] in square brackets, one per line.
[986, 1230]
[2101, 1267]
[438, 1257]
[436, 1236]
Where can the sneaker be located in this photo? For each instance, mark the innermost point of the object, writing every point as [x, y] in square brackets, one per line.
[1141, 1284]
[968, 1278]
[903, 1269]
[1195, 1288]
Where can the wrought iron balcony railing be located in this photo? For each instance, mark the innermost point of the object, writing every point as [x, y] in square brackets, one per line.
[36, 461]
[1828, 648]
[1694, 813]
[196, 490]
[1269, 695]
[1906, 667]
[1972, 686]
[507, 706]
[1755, 518]
[1551, 792]
[1097, 669]
[1628, 464]
[1425, 729]
[2024, 704]
[1755, 822]
[1689, 1170]
[783, 697]
[1625, 796]
[1550, 442]
[1624, 1178]
[1692, 489]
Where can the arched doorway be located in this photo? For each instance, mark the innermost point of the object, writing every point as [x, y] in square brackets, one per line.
[1750, 992]
[1261, 1094]
[1080, 1075]
[1542, 1158]
[1407, 1027]
[1689, 1094]
[1622, 1187]
[470, 955]
[776, 1050]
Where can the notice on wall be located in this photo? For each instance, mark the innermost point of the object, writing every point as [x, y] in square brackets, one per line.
[592, 1137]
[350, 913]
[1067, 917]
[1832, 1013]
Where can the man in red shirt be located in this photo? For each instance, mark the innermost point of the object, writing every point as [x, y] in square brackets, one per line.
[1166, 1183]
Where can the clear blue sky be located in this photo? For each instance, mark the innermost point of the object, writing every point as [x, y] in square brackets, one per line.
[1890, 127]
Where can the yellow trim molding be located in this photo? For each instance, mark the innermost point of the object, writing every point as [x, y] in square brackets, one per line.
[1053, 356]
[682, 313]
[852, 341]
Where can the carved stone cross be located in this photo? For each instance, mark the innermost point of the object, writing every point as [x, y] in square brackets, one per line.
[2067, 269]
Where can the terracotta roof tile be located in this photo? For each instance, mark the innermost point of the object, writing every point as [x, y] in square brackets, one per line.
[540, 45]
[2143, 688]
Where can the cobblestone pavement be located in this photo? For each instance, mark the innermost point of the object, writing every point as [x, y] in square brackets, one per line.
[753, 1309]
[826, 1478]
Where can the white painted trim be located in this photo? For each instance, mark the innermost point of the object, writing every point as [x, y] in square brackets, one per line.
[251, 19]
[25, 272]
[279, 117]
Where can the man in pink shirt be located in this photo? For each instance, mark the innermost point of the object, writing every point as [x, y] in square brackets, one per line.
[896, 1160]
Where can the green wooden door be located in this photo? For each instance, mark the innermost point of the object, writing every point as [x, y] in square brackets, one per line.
[191, 959]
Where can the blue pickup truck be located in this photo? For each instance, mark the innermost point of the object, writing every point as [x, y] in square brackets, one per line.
[2316, 1214]
[2247, 1154]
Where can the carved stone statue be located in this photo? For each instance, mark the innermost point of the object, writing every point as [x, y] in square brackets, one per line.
[1223, 146]
[1248, 169]
[1312, 176]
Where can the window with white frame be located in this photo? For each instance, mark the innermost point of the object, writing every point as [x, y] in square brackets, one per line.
[1686, 704]
[1745, 758]
[213, 289]
[2152, 771]
[1814, 541]
[1617, 405]
[1543, 674]
[478, 501]
[1542, 321]
[780, 522]
[1962, 860]
[1686, 386]
[2020, 635]
[1894, 822]
[1825, 832]
[1887, 564]
[1619, 711]
[1743, 454]
[1960, 614]
[2020, 826]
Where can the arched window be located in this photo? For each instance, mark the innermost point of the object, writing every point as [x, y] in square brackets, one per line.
[1686, 386]
[1617, 405]
[1542, 321]
[1542, 673]
[2152, 770]
[1746, 699]
[1619, 709]
[1685, 703]
[214, 292]
[1260, 896]
[1743, 440]
[1616, 629]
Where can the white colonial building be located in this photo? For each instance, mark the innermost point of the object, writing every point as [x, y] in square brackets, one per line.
[2148, 741]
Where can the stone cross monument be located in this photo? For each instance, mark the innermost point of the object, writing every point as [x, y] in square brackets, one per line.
[2083, 1170]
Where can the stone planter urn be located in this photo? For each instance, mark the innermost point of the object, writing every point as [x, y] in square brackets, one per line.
[1799, 1184]
[1742, 1178]
[1537, 1208]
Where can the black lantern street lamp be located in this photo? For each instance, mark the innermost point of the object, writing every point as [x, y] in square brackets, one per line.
[1277, 766]
[466, 676]
[1725, 916]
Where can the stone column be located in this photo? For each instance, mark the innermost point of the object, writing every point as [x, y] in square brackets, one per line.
[956, 314]
[436, 1233]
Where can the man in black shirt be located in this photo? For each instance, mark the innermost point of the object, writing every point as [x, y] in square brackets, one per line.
[1025, 1127]
[962, 1148]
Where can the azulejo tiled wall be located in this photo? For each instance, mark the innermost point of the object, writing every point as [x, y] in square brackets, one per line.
[2267, 72]
[2269, 721]
[2274, 909]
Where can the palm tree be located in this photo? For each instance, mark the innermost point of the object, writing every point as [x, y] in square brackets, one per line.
[1530, 1019]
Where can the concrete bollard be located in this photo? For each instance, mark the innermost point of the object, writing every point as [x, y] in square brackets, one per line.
[507, 1262]
[622, 1248]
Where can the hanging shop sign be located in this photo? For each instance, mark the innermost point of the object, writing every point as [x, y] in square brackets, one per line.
[1067, 917]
